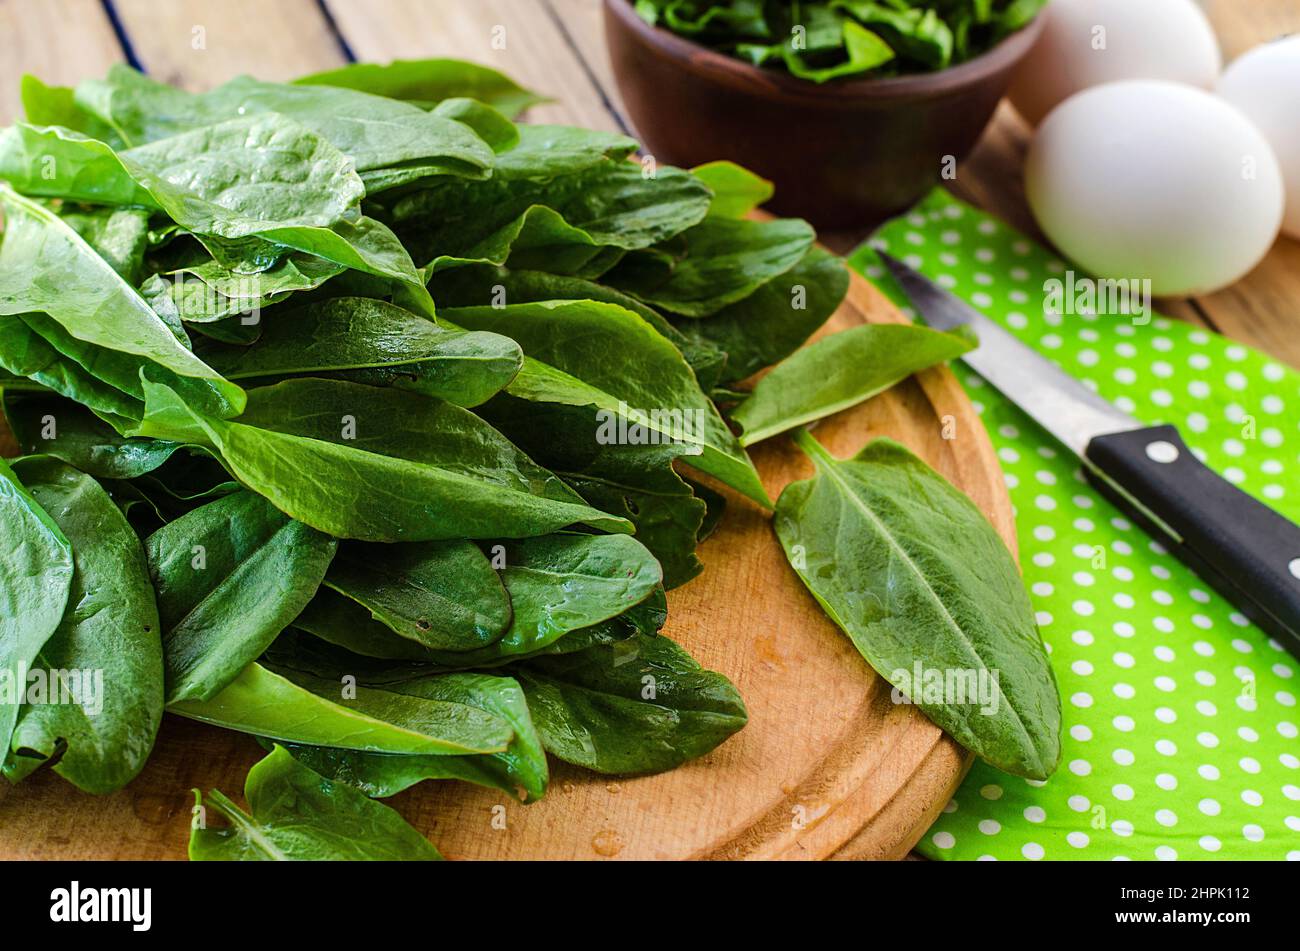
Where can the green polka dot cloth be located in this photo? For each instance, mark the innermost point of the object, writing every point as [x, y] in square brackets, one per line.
[1180, 719]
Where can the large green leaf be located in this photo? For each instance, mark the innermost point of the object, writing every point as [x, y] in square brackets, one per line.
[477, 285]
[429, 81]
[56, 105]
[442, 595]
[532, 213]
[343, 624]
[206, 291]
[736, 190]
[373, 342]
[919, 580]
[249, 175]
[387, 465]
[717, 262]
[119, 235]
[100, 736]
[637, 482]
[299, 815]
[373, 131]
[558, 585]
[295, 707]
[252, 187]
[35, 578]
[626, 369]
[45, 266]
[252, 175]
[840, 371]
[520, 770]
[771, 323]
[44, 423]
[137, 109]
[640, 706]
[561, 583]
[61, 163]
[26, 353]
[230, 576]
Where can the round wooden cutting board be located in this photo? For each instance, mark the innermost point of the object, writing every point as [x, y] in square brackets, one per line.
[828, 766]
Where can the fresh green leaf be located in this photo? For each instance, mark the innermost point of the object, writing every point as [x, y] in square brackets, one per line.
[736, 190]
[863, 51]
[47, 424]
[28, 355]
[119, 235]
[97, 721]
[35, 578]
[45, 266]
[490, 125]
[429, 81]
[230, 576]
[840, 371]
[558, 585]
[442, 595]
[611, 358]
[921, 583]
[261, 175]
[716, 263]
[770, 324]
[638, 706]
[373, 342]
[521, 769]
[60, 163]
[299, 815]
[56, 105]
[475, 285]
[387, 465]
[635, 481]
[529, 210]
[209, 291]
[295, 707]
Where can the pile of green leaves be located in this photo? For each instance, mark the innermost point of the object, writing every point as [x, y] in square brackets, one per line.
[310, 381]
[363, 420]
[822, 40]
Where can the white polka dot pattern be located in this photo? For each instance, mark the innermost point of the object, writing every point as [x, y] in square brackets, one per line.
[1180, 718]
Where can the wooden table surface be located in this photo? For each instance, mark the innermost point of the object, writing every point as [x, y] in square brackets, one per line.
[556, 47]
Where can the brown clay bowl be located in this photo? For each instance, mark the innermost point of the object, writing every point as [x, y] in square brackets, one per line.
[845, 154]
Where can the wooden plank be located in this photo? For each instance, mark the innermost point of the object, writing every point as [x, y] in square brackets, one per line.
[583, 21]
[36, 38]
[197, 45]
[61, 41]
[1260, 308]
[522, 39]
[1242, 24]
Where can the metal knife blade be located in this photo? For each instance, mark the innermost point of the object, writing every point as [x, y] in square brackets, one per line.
[1057, 401]
[1245, 549]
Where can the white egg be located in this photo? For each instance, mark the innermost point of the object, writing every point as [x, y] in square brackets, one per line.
[1089, 42]
[1149, 180]
[1265, 84]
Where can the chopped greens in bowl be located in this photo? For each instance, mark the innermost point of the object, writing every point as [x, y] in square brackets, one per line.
[821, 40]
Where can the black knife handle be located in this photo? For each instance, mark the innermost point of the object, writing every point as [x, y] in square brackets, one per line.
[1250, 553]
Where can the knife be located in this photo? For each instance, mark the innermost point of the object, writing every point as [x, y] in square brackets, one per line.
[1241, 547]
